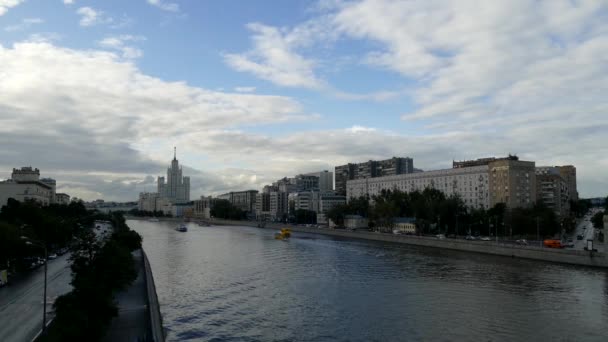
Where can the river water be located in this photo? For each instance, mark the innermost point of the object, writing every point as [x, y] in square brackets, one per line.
[239, 284]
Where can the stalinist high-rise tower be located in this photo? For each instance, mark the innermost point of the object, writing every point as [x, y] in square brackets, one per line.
[176, 188]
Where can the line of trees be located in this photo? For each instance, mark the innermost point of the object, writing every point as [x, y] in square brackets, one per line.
[225, 210]
[54, 225]
[145, 213]
[437, 213]
[100, 268]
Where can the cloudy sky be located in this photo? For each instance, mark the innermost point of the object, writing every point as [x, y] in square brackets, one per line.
[97, 93]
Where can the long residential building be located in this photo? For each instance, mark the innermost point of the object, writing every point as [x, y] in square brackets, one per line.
[480, 183]
[371, 169]
[470, 183]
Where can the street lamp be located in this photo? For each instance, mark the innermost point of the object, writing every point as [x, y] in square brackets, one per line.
[30, 242]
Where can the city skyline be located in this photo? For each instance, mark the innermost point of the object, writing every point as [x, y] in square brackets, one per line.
[251, 93]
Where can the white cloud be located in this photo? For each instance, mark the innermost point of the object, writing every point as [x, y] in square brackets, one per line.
[244, 89]
[273, 57]
[165, 6]
[24, 24]
[119, 43]
[91, 17]
[68, 2]
[6, 4]
[99, 113]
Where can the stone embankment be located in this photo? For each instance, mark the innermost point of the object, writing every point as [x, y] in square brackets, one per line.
[566, 256]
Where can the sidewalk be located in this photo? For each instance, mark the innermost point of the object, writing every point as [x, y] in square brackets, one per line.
[131, 324]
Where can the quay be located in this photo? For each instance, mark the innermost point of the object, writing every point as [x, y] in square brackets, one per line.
[565, 256]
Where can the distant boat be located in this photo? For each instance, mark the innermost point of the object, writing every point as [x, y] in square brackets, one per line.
[153, 220]
[284, 234]
[182, 228]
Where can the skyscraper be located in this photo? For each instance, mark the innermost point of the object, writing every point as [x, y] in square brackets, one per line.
[176, 188]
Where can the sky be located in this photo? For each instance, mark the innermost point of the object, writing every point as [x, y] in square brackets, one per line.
[97, 93]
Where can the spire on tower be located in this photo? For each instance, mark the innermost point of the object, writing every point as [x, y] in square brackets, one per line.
[174, 153]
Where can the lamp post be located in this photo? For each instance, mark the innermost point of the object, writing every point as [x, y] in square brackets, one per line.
[540, 244]
[30, 242]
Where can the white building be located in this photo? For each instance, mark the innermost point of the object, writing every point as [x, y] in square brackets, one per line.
[25, 184]
[175, 187]
[61, 198]
[470, 183]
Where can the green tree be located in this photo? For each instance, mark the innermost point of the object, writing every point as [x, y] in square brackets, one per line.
[598, 220]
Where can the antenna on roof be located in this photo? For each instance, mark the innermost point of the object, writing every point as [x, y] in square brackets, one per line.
[174, 153]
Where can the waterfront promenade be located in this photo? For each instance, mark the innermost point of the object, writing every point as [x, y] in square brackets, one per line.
[138, 312]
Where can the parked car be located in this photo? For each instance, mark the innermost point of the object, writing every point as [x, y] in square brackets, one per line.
[53, 256]
[579, 237]
[485, 238]
[469, 237]
[522, 242]
[440, 236]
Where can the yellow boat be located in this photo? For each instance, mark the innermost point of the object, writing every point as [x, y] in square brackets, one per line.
[284, 234]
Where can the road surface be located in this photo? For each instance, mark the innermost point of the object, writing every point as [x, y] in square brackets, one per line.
[584, 228]
[21, 301]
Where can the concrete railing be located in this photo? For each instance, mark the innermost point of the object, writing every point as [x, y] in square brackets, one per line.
[156, 320]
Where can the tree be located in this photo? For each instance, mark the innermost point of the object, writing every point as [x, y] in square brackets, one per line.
[598, 220]
[337, 213]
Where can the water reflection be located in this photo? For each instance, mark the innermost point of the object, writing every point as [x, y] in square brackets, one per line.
[237, 283]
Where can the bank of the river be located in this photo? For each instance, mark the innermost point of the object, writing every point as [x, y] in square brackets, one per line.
[566, 256]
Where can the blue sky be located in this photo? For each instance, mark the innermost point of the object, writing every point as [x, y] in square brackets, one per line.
[251, 91]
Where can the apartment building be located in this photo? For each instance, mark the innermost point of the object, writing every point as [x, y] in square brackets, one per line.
[470, 183]
[371, 169]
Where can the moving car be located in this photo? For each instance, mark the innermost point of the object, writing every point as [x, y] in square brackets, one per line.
[522, 242]
[485, 238]
[552, 243]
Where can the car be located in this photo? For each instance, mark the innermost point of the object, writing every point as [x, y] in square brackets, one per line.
[569, 244]
[52, 256]
[579, 237]
[522, 242]
[440, 236]
[469, 237]
[485, 238]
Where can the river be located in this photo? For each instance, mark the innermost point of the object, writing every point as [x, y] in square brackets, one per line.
[239, 284]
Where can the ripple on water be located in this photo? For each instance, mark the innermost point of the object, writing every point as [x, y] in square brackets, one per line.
[239, 284]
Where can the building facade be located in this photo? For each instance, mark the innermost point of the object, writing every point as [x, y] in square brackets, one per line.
[25, 184]
[176, 187]
[202, 207]
[568, 173]
[552, 190]
[470, 183]
[62, 198]
[371, 169]
[326, 180]
[512, 182]
[244, 200]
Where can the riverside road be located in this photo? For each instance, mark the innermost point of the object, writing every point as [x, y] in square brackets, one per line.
[21, 301]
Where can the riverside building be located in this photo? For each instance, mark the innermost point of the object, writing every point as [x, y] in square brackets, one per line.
[176, 187]
[480, 183]
[25, 184]
[470, 183]
[371, 169]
